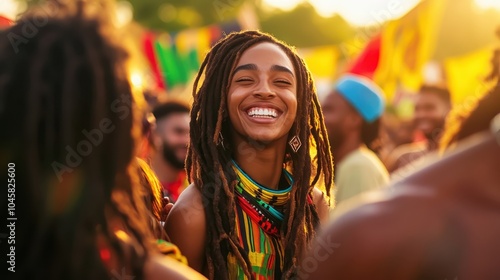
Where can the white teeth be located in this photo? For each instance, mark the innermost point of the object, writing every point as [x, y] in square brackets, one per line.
[263, 112]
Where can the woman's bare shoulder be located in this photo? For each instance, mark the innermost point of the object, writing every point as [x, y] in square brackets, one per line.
[186, 226]
[190, 204]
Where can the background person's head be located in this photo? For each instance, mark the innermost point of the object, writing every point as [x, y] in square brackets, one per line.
[353, 111]
[209, 158]
[67, 111]
[171, 135]
[432, 105]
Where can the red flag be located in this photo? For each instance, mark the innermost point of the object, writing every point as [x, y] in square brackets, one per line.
[148, 41]
[367, 61]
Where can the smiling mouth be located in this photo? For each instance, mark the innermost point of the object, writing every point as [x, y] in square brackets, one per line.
[257, 112]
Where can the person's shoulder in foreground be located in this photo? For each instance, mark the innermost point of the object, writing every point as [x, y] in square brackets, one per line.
[442, 222]
[162, 267]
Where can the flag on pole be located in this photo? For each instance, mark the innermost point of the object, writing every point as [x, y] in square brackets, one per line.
[407, 44]
[149, 52]
[367, 61]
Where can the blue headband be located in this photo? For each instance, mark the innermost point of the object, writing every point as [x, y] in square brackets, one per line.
[363, 94]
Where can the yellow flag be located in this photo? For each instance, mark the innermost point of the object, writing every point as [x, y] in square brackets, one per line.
[465, 75]
[407, 45]
[203, 42]
[321, 61]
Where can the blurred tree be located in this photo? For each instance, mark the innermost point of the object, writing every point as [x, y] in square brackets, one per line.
[465, 28]
[301, 27]
[304, 27]
[175, 15]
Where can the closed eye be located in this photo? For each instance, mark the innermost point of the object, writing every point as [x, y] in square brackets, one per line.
[283, 82]
[244, 80]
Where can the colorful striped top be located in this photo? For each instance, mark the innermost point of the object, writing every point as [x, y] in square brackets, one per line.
[258, 220]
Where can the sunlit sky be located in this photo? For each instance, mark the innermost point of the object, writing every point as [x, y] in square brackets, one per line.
[364, 12]
[356, 12]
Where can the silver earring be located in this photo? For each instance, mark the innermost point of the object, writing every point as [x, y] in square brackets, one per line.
[295, 143]
[220, 140]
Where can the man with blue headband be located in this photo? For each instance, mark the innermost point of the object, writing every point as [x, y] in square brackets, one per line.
[352, 114]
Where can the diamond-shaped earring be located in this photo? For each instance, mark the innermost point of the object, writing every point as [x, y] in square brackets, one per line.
[295, 143]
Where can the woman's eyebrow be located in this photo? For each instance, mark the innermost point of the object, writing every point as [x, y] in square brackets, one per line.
[251, 66]
[280, 68]
[245, 67]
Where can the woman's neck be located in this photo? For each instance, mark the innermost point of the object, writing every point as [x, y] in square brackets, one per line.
[263, 164]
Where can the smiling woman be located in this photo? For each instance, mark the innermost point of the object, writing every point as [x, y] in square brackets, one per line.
[252, 200]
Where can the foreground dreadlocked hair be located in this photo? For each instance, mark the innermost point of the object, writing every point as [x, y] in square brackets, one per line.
[209, 166]
[68, 122]
[153, 198]
[487, 108]
[470, 120]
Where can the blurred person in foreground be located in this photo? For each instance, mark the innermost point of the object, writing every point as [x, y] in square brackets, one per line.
[432, 105]
[170, 140]
[441, 222]
[253, 206]
[352, 117]
[70, 126]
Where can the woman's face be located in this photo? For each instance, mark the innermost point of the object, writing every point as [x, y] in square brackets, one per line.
[262, 98]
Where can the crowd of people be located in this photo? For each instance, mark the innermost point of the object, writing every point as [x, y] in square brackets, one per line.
[256, 179]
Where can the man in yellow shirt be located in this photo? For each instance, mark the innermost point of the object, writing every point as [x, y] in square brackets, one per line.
[352, 117]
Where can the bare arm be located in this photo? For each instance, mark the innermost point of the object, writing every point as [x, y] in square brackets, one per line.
[186, 227]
